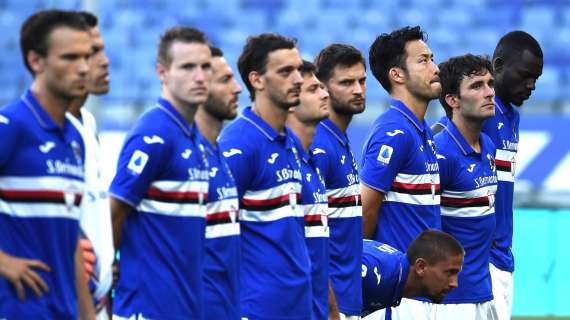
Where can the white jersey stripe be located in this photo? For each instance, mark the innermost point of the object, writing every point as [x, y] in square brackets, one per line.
[222, 230]
[286, 211]
[476, 193]
[346, 212]
[172, 209]
[272, 193]
[39, 210]
[344, 192]
[428, 178]
[417, 199]
[467, 212]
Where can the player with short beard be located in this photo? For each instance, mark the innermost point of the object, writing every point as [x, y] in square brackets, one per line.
[342, 69]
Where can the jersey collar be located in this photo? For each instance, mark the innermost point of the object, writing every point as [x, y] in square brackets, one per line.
[404, 270]
[167, 107]
[260, 124]
[458, 138]
[406, 112]
[332, 128]
[39, 112]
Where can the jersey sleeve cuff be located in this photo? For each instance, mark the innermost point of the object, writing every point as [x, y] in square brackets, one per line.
[124, 199]
[372, 186]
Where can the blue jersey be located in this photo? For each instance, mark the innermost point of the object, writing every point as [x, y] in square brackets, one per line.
[275, 268]
[221, 265]
[162, 173]
[503, 129]
[384, 275]
[334, 158]
[41, 186]
[399, 160]
[468, 186]
[314, 202]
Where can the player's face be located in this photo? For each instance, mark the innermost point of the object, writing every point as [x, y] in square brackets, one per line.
[422, 74]
[476, 93]
[282, 79]
[314, 100]
[347, 89]
[65, 67]
[98, 79]
[440, 278]
[518, 78]
[187, 79]
[222, 100]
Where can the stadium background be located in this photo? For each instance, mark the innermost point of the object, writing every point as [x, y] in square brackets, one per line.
[131, 30]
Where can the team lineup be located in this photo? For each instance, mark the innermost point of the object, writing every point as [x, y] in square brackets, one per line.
[268, 216]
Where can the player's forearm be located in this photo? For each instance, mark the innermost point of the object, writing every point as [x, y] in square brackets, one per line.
[119, 213]
[84, 299]
[371, 202]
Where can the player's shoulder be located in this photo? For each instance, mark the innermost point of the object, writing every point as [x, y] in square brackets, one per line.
[488, 142]
[15, 117]
[241, 133]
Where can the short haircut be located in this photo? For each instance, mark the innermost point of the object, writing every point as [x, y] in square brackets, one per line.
[216, 52]
[308, 68]
[389, 51]
[177, 34]
[334, 55]
[255, 54]
[36, 30]
[454, 70]
[514, 43]
[89, 18]
[434, 246]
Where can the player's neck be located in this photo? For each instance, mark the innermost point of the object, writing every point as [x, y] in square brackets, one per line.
[76, 105]
[186, 110]
[413, 287]
[470, 130]
[54, 105]
[305, 131]
[342, 121]
[271, 113]
[417, 105]
[208, 125]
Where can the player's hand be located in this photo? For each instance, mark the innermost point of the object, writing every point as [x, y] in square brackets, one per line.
[20, 272]
[89, 257]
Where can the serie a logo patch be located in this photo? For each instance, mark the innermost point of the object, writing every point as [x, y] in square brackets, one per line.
[385, 154]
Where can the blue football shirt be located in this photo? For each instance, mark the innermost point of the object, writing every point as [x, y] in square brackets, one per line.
[503, 129]
[275, 267]
[41, 187]
[468, 185]
[162, 173]
[384, 275]
[221, 262]
[399, 160]
[335, 160]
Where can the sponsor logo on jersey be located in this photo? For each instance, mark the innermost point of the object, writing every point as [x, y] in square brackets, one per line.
[186, 154]
[46, 147]
[471, 167]
[394, 133]
[231, 152]
[273, 157]
[152, 140]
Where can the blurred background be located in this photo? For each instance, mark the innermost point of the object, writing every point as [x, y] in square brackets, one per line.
[131, 30]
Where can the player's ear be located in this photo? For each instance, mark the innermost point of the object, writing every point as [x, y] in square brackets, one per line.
[420, 266]
[397, 75]
[161, 72]
[452, 100]
[35, 61]
[256, 81]
[498, 64]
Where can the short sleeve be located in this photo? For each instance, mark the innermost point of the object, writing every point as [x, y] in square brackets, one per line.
[9, 133]
[384, 155]
[140, 162]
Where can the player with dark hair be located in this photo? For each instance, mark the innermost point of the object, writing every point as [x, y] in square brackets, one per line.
[468, 181]
[41, 176]
[400, 175]
[303, 121]
[518, 63]
[275, 267]
[221, 262]
[428, 269]
[342, 69]
[95, 220]
[159, 193]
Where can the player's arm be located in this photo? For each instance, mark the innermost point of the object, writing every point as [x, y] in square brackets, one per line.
[384, 154]
[21, 273]
[334, 314]
[119, 213]
[371, 202]
[84, 299]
